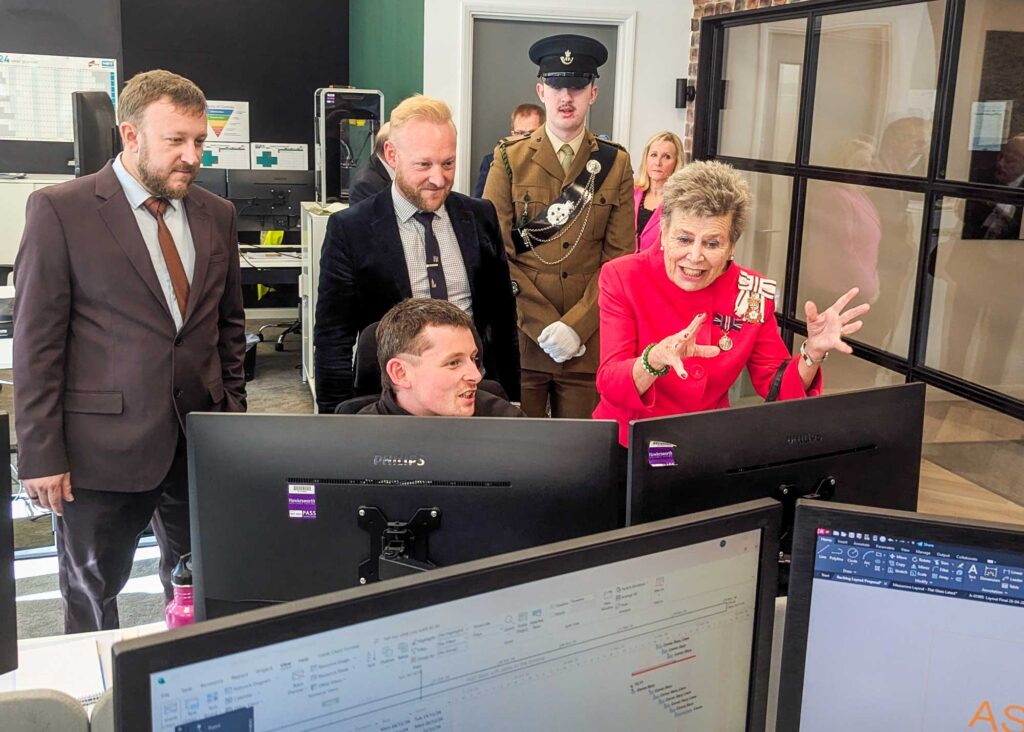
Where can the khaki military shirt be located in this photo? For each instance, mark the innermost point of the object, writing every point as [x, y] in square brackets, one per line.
[566, 291]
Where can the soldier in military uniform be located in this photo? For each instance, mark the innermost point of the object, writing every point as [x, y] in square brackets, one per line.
[565, 204]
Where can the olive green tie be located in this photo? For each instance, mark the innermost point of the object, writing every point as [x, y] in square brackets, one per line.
[565, 156]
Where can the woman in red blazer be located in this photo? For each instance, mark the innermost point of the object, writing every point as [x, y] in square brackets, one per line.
[680, 321]
[661, 156]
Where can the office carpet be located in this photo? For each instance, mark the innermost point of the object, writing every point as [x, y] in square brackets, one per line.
[277, 388]
[39, 606]
[996, 465]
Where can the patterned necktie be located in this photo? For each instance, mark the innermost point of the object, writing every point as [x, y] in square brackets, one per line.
[565, 156]
[172, 259]
[435, 272]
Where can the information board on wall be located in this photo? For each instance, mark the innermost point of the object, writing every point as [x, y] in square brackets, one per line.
[35, 93]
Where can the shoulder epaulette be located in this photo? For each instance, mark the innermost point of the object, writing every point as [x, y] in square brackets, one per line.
[512, 139]
[613, 144]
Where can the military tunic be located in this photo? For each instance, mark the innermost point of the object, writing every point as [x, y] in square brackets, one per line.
[560, 290]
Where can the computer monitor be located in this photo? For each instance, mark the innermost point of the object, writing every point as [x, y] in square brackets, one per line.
[286, 507]
[96, 139]
[269, 199]
[8, 615]
[215, 180]
[661, 627]
[860, 447]
[902, 621]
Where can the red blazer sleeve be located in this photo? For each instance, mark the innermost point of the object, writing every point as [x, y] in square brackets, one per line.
[620, 346]
[769, 353]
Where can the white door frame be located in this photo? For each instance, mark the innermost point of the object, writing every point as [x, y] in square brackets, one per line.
[623, 20]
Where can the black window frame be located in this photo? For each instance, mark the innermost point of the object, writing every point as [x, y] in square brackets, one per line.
[934, 186]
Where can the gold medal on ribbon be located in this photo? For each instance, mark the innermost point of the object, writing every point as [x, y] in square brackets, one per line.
[725, 342]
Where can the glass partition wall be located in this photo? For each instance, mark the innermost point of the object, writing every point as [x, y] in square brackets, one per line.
[884, 144]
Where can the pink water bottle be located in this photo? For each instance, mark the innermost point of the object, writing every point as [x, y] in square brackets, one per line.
[180, 610]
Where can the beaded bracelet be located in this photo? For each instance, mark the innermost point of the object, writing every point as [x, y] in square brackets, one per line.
[647, 364]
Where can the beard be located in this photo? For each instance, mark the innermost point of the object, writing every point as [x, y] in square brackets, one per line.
[159, 182]
[413, 195]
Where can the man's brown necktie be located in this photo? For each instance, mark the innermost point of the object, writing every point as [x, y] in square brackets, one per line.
[179, 281]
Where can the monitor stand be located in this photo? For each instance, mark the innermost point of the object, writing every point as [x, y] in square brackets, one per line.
[397, 548]
[788, 496]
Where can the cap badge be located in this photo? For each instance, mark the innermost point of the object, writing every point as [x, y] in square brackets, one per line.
[566, 58]
[593, 167]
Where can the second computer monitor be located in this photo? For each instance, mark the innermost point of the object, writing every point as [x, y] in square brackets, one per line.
[860, 447]
[286, 507]
[656, 628]
[900, 621]
[269, 199]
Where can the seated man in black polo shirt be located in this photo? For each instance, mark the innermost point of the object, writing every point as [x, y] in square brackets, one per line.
[427, 350]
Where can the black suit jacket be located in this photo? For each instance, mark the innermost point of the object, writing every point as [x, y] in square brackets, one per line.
[370, 179]
[363, 275]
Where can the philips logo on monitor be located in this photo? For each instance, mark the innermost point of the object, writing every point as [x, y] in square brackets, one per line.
[400, 461]
[804, 439]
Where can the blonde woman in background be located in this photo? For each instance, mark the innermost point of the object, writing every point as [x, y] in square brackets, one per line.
[660, 160]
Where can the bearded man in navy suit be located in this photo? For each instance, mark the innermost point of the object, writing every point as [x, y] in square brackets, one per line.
[414, 239]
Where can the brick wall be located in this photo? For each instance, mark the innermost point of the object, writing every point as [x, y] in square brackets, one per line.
[701, 9]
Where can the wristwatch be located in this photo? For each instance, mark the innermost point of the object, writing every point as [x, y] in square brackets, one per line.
[807, 358]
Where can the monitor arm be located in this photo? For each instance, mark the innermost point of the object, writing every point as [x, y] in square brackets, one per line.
[397, 548]
[788, 494]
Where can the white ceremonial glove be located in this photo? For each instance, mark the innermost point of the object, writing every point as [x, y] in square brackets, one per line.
[561, 342]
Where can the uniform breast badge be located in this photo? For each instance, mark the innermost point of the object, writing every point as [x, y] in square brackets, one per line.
[559, 213]
[753, 291]
[727, 323]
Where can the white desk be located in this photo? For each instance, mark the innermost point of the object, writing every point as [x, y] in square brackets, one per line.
[278, 268]
[77, 664]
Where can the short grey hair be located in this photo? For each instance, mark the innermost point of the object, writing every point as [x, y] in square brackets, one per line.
[707, 188]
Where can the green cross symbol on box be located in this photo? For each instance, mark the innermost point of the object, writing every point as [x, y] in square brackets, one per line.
[266, 159]
[209, 158]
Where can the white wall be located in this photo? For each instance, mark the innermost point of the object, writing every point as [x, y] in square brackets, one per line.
[661, 55]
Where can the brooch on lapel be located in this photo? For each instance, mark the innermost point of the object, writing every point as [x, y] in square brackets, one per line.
[754, 291]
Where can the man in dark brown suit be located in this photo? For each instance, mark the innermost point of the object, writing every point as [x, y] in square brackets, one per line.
[128, 317]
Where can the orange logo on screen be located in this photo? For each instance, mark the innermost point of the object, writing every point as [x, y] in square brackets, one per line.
[986, 718]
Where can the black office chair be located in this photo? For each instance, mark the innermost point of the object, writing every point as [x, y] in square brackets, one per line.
[366, 382]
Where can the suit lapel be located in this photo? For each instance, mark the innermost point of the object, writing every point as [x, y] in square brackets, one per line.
[117, 215]
[465, 233]
[201, 226]
[387, 242]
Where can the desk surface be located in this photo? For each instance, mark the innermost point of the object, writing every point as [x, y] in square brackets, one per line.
[261, 259]
[77, 664]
